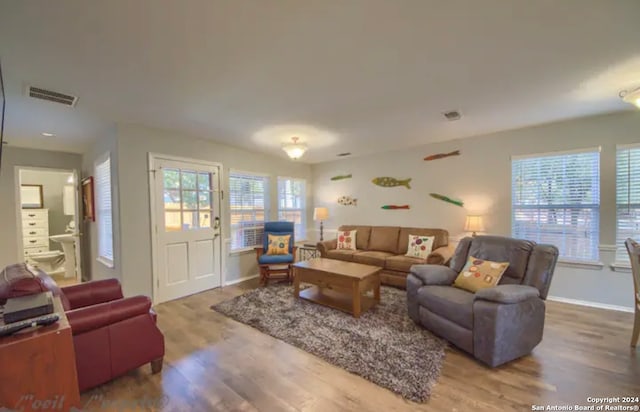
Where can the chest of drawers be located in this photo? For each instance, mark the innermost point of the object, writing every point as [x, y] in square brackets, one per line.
[35, 231]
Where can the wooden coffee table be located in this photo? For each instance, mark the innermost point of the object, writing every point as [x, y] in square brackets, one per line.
[340, 285]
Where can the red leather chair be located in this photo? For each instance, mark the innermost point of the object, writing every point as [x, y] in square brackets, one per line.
[111, 334]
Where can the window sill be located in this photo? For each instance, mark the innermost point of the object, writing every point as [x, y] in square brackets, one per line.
[106, 262]
[620, 267]
[593, 265]
[242, 251]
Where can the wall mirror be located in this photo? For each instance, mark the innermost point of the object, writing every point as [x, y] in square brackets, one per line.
[31, 196]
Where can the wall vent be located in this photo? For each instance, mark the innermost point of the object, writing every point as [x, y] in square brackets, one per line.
[452, 115]
[51, 96]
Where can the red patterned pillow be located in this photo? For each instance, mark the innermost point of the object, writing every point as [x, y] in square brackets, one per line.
[347, 239]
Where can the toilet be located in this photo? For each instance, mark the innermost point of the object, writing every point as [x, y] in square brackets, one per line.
[51, 262]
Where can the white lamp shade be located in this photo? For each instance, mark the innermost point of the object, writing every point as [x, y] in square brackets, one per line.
[474, 223]
[320, 213]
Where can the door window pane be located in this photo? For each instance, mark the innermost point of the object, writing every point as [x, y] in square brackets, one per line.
[204, 200]
[189, 200]
[189, 220]
[204, 181]
[172, 221]
[171, 178]
[172, 199]
[205, 219]
[188, 180]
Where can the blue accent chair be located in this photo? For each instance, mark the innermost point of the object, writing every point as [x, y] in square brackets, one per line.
[276, 264]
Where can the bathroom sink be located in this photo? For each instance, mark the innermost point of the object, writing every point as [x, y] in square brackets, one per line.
[65, 238]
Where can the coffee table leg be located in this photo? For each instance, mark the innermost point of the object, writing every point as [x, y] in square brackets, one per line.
[296, 285]
[376, 289]
[356, 299]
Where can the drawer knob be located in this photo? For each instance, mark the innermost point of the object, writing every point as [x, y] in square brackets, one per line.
[32, 233]
[32, 224]
[32, 241]
[32, 215]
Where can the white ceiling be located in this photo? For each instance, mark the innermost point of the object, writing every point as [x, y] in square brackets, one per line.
[357, 76]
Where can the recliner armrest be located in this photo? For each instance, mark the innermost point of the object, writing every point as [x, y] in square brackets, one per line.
[327, 245]
[507, 293]
[92, 293]
[104, 314]
[434, 274]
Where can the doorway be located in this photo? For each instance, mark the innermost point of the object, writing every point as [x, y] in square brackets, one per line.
[48, 220]
[185, 226]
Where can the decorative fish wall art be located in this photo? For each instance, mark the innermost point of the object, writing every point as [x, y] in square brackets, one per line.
[347, 201]
[442, 155]
[395, 207]
[340, 177]
[447, 199]
[391, 182]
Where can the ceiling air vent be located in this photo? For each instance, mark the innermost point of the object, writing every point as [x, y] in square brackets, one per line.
[51, 96]
[344, 154]
[452, 115]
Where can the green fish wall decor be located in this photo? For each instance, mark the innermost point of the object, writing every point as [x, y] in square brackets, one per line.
[340, 177]
[395, 207]
[447, 199]
[391, 182]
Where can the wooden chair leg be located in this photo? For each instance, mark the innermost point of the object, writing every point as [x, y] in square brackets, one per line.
[156, 365]
[636, 328]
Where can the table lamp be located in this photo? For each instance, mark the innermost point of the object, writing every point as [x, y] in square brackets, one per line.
[320, 213]
[474, 223]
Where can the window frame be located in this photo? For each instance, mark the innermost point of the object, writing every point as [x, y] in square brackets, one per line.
[108, 261]
[266, 210]
[595, 208]
[301, 233]
[621, 258]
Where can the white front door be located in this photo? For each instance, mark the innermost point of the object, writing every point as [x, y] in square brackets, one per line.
[186, 227]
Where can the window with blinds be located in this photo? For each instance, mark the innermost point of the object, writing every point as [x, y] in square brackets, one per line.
[627, 199]
[248, 205]
[291, 204]
[556, 200]
[104, 212]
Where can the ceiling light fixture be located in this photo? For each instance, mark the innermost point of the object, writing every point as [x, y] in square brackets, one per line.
[47, 134]
[631, 96]
[295, 150]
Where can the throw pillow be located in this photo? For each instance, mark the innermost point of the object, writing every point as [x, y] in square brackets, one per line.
[420, 246]
[278, 245]
[347, 239]
[480, 274]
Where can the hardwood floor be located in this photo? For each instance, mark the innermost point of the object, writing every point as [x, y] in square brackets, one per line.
[213, 363]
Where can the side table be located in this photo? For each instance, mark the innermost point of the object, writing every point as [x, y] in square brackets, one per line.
[307, 251]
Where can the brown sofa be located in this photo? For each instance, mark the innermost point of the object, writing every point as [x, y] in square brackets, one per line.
[386, 246]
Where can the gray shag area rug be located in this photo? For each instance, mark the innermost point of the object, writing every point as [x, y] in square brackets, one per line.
[383, 345]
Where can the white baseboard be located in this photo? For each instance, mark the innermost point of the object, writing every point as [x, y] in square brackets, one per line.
[590, 304]
[235, 281]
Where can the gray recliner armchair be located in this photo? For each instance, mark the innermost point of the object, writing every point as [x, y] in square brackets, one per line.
[495, 325]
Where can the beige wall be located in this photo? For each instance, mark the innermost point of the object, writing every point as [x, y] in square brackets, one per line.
[481, 177]
[134, 144]
[11, 158]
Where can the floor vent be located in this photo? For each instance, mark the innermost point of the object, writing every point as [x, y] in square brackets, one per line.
[51, 96]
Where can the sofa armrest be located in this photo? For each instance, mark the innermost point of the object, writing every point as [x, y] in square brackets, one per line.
[441, 255]
[434, 274]
[507, 293]
[108, 313]
[92, 293]
[327, 245]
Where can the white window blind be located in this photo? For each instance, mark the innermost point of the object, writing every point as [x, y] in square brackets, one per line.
[248, 200]
[627, 199]
[104, 213]
[291, 204]
[556, 200]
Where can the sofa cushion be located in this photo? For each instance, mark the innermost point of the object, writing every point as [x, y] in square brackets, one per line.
[347, 239]
[441, 237]
[419, 246]
[371, 257]
[342, 254]
[362, 240]
[402, 263]
[450, 303]
[385, 239]
[503, 249]
[480, 274]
